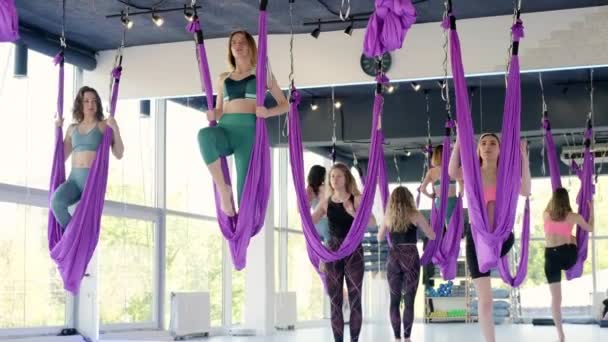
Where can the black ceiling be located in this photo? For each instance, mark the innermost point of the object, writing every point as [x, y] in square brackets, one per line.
[87, 25]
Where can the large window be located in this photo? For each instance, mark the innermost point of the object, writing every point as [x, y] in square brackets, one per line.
[301, 277]
[194, 261]
[31, 290]
[131, 179]
[304, 280]
[238, 296]
[126, 250]
[28, 109]
[189, 185]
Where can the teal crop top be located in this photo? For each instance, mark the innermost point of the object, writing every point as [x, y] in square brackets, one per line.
[241, 89]
[86, 142]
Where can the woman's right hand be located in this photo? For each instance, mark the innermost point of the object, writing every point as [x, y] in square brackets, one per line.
[58, 121]
[322, 267]
[211, 115]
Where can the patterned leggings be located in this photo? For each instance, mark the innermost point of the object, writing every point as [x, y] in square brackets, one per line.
[403, 273]
[349, 269]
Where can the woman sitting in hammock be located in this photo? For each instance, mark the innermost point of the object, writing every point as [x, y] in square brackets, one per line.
[315, 192]
[341, 205]
[561, 252]
[433, 176]
[402, 220]
[236, 115]
[488, 150]
[82, 139]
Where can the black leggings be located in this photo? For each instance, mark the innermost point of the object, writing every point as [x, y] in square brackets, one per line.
[558, 259]
[349, 269]
[471, 254]
[403, 273]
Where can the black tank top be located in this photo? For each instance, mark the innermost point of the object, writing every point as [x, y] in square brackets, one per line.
[339, 219]
[409, 236]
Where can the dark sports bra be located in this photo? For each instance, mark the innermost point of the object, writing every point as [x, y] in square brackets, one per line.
[242, 89]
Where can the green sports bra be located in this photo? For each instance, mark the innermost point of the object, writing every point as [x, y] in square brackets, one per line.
[242, 89]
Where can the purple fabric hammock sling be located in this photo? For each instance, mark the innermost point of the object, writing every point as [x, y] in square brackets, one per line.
[9, 21]
[72, 250]
[316, 250]
[585, 193]
[386, 31]
[256, 189]
[488, 241]
[444, 250]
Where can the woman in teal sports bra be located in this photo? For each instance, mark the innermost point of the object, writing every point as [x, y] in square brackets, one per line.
[433, 176]
[82, 139]
[236, 114]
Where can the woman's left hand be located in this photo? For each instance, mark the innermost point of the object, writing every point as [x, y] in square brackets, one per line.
[262, 112]
[112, 123]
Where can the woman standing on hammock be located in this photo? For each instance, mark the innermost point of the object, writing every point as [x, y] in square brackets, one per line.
[488, 150]
[561, 252]
[433, 176]
[236, 114]
[402, 220]
[341, 206]
[82, 138]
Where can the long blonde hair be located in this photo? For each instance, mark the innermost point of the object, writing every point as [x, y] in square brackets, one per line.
[349, 181]
[401, 209]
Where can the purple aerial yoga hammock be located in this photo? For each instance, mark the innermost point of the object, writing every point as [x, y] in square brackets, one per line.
[256, 189]
[387, 26]
[585, 193]
[9, 21]
[488, 242]
[443, 251]
[72, 250]
[376, 164]
[316, 250]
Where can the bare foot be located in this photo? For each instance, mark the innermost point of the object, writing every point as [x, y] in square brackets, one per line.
[407, 339]
[226, 200]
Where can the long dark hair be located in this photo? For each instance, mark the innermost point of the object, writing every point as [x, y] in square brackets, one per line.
[78, 113]
[316, 178]
[559, 205]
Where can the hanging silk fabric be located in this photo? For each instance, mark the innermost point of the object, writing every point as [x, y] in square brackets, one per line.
[585, 193]
[72, 250]
[239, 229]
[444, 250]
[9, 21]
[387, 25]
[488, 239]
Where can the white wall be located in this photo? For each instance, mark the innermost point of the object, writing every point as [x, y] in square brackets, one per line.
[554, 39]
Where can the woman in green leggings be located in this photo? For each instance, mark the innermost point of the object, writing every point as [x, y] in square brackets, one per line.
[236, 113]
[81, 141]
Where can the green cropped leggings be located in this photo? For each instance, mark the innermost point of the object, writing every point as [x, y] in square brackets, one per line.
[234, 134]
[67, 194]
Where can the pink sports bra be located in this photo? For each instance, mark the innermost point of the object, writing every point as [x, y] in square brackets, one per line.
[489, 193]
[558, 227]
